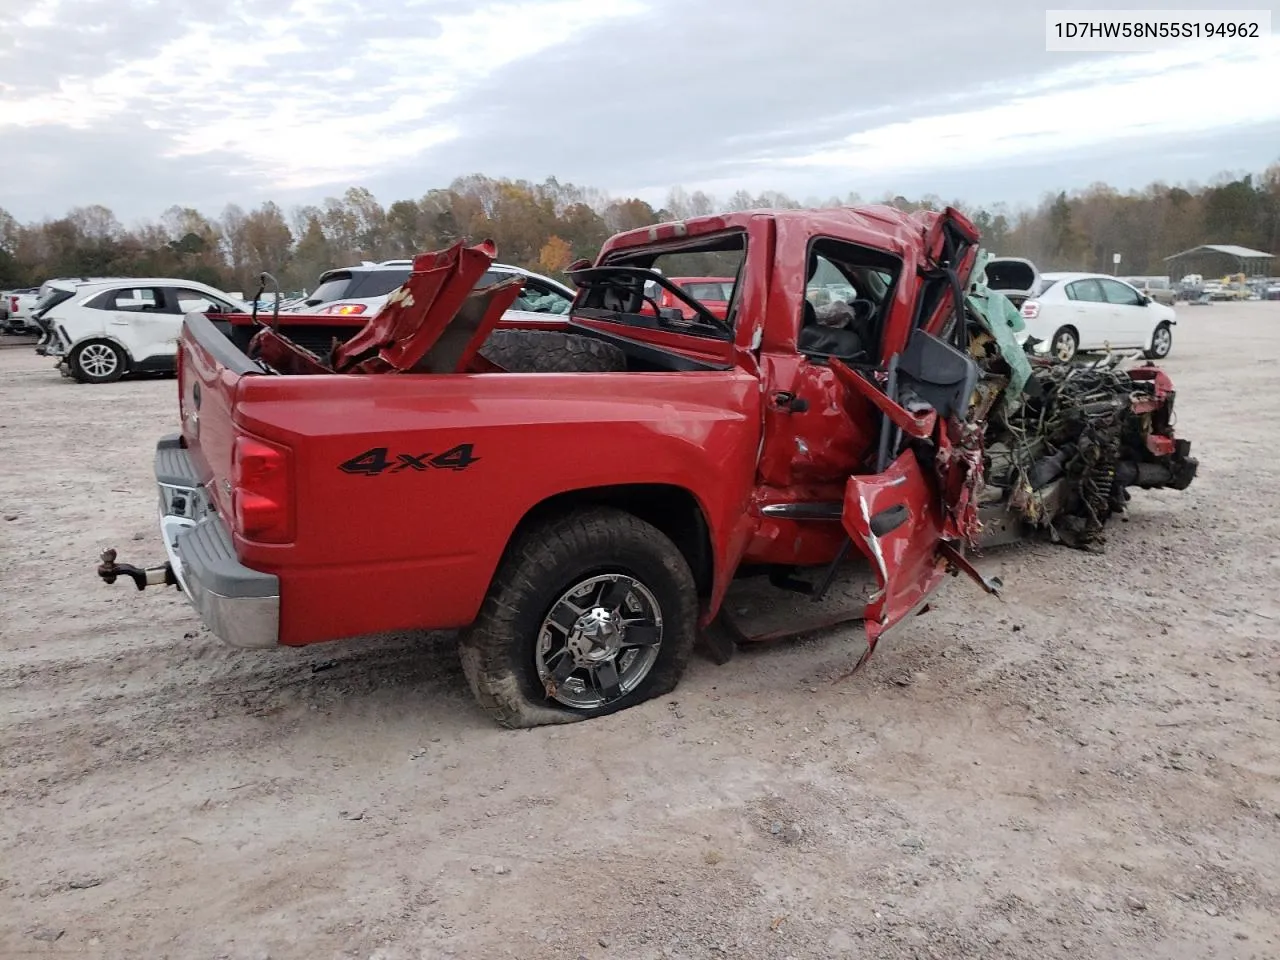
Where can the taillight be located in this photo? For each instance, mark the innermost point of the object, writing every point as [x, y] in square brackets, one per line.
[1030, 310]
[260, 490]
[13, 304]
[344, 309]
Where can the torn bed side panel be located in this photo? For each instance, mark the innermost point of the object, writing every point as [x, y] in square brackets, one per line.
[435, 322]
[457, 348]
[399, 336]
[284, 356]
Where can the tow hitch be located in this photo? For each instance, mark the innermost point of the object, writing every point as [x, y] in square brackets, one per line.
[108, 570]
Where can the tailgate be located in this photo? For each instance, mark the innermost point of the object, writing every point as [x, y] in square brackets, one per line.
[210, 368]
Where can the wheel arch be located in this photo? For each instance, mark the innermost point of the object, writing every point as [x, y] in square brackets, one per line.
[105, 338]
[672, 509]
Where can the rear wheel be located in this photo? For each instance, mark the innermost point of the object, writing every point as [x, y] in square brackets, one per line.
[589, 613]
[551, 351]
[98, 361]
[1064, 344]
[1161, 342]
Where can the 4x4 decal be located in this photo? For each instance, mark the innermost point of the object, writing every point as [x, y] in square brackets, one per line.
[377, 461]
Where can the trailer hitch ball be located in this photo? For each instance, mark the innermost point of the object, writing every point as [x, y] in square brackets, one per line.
[109, 570]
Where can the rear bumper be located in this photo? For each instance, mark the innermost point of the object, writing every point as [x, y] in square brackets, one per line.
[240, 605]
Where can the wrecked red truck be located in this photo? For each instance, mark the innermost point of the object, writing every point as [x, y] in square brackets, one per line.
[576, 498]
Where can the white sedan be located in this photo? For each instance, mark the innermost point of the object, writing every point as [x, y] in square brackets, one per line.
[1073, 312]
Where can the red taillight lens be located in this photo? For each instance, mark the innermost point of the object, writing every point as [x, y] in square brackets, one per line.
[1030, 310]
[344, 309]
[260, 484]
[13, 304]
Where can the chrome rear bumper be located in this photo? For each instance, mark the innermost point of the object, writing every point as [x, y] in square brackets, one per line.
[240, 605]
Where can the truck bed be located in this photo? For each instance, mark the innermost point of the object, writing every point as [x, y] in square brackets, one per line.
[406, 488]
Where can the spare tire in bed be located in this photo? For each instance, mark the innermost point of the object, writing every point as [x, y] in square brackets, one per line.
[551, 351]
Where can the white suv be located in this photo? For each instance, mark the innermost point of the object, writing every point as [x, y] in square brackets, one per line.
[103, 329]
[362, 290]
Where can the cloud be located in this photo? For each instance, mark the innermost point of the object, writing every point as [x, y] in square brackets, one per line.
[1115, 103]
[54, 168]
[301, 94]
[137, 103]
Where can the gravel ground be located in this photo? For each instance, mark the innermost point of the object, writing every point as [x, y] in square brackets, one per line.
[1085, 768]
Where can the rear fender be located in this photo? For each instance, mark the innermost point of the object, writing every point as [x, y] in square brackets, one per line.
[97, 335]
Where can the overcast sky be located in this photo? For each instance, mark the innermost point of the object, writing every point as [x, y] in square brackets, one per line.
[141, 104]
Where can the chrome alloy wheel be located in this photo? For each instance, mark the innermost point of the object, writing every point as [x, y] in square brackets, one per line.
[598, 641]
[1162, 341]
[98, 360]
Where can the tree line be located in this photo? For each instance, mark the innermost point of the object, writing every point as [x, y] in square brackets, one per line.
[546, 226]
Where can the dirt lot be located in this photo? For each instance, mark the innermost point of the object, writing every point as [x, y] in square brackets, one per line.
[1088, 768]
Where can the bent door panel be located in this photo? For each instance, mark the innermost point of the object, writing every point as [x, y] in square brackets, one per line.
[895, 519]
[140, 319]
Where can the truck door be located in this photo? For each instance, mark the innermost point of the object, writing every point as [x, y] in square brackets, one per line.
[894, 518]
[910, 516]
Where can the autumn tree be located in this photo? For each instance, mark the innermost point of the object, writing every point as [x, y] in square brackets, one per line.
[546, 225]
[556, 254]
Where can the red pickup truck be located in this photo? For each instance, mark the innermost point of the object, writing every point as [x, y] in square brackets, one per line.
[577, 500]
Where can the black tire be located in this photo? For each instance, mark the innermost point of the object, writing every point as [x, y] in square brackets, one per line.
[1066, 341]
[551, 351]
[92, 362]
[1161, 342]
[499, 651]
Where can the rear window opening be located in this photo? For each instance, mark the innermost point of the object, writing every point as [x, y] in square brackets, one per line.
[49, 301]
[640, 288]
[357, 284]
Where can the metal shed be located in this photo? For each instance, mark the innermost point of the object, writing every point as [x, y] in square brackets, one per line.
[1219, 259]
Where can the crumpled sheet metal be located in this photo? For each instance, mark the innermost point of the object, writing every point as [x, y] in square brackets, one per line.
[1004, 322]
[434, 323]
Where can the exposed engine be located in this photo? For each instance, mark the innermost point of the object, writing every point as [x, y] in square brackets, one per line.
[1062, 459]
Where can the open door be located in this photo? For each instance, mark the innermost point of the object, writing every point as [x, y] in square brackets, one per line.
[895, 519]
[910, 521]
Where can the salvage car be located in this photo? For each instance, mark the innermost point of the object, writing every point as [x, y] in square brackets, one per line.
[1074, 312]
[100, 330]
[578, 500]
